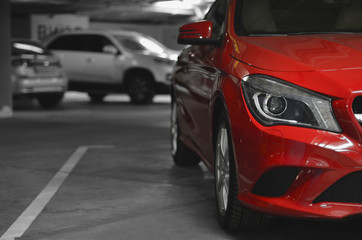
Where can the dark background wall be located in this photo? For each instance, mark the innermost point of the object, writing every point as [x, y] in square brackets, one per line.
[20, 26]
[5, 53]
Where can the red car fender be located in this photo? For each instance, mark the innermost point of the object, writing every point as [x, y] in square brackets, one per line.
[228, 96]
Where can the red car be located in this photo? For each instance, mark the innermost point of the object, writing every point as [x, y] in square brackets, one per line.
[268, 94]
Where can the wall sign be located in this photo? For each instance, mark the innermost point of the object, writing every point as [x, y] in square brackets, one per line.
[43, 26]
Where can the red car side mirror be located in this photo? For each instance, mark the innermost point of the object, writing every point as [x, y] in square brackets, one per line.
[198, 33]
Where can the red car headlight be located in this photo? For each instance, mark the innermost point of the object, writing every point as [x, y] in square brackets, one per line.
[275, 102]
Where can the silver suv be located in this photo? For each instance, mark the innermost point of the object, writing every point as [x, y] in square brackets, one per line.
[102, 62]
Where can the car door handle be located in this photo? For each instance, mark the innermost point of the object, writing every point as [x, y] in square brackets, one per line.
[91, 60]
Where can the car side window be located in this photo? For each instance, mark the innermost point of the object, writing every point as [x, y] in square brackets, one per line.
[70, 43]
[217, 15]
[96, 43]
[66, 42]
[83, 42]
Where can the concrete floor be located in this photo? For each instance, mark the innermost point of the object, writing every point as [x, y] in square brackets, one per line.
[123, 185]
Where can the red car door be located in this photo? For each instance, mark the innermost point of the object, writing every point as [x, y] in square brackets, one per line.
[196, 74]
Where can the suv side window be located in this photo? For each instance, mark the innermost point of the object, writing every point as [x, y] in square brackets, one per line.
[96, 43]
[67, 42]
[217, 15]
[83, 42]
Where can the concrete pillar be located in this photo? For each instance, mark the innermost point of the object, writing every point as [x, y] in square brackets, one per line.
[5, 58]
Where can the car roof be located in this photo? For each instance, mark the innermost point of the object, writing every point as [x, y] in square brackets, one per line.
[103, 32]
[126, 33]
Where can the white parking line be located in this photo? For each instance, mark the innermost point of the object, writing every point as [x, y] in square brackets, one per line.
[23, 222]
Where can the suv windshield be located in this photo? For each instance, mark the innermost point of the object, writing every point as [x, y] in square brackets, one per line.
[298, 16]
[140, 43]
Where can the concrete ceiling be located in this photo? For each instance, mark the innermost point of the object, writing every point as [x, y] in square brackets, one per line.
[149, 11]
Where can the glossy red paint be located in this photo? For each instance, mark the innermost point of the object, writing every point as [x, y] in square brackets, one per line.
[209, 77]
[202, 29]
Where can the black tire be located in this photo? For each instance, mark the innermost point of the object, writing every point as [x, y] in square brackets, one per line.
[231, 214]
[181, 154]
[97, 97]
[140, 88]
[50, 101]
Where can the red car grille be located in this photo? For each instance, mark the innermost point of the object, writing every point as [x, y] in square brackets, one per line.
[346, 190]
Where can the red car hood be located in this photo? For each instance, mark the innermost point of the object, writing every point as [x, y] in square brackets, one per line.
[301, 53]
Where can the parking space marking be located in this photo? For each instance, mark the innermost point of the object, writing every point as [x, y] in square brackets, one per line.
[23, 222]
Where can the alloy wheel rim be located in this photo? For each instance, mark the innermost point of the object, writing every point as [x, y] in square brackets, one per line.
[139, 88]
[174, 130]
[222, 166]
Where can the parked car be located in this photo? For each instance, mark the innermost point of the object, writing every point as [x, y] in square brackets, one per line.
[36, 73]
[102, 62]
[268, 95]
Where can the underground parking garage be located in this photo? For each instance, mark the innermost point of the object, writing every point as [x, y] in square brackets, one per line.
[110, 157]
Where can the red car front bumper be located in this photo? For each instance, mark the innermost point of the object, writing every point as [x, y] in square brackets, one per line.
[294, 171]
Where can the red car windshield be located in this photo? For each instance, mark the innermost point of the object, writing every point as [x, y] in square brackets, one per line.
[298, 16]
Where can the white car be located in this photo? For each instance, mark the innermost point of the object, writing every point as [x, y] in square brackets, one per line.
[101, 62]
[36, 73]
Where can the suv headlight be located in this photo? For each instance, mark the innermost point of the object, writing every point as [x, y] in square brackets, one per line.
[274, 102]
